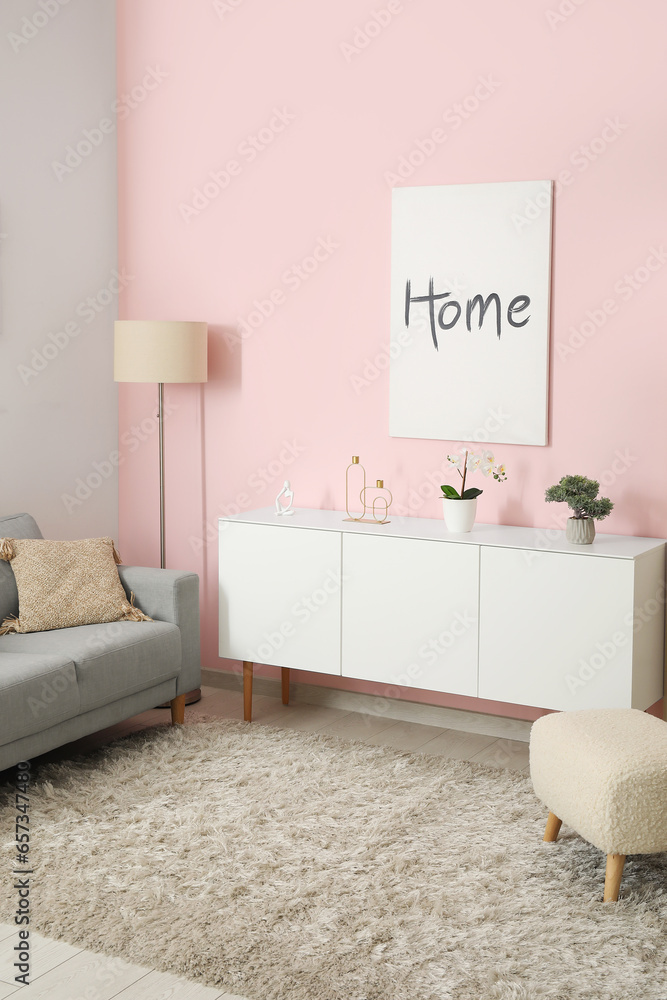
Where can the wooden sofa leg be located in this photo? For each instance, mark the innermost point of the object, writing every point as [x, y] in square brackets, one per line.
[612, 882]
[284, 678]
[178, 710]
[553, 828]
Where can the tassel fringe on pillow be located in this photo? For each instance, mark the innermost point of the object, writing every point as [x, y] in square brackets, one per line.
[10, 624]
[6, 549]
[133, 614]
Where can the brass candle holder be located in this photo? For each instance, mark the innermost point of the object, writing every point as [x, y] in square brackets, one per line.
[377, 506]
[380, 504]
[353, 463]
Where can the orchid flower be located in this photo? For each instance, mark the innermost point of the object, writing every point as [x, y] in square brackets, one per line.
[486, 463]
[472, 461]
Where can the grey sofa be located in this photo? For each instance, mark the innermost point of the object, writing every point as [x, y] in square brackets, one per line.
[59, 685]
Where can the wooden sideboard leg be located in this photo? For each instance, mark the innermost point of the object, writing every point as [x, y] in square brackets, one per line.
[178, 710]
[612, 882]
[247, 690]
[284, 677]
[553, 828]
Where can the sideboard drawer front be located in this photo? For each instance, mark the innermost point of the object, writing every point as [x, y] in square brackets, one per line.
[410, 612]
[280, 596]
[555, 631]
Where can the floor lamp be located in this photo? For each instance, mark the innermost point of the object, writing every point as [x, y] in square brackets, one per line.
[156, 351]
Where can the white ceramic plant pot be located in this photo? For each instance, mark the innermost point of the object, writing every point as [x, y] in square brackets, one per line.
[459, 514]
[580, 530]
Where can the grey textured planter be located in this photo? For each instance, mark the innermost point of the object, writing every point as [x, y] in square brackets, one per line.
[580, 530]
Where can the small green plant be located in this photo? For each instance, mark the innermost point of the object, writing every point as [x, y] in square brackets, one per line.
[581, 496]
[471, 462]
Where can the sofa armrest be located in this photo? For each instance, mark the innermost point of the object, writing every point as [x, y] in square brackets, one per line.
[169, 595]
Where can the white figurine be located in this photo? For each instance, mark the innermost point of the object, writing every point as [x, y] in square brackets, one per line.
[287, 492]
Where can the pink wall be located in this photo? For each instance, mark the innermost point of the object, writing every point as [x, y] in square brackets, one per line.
[577, 95]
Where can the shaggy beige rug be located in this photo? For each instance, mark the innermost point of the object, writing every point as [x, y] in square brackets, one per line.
[279, 865]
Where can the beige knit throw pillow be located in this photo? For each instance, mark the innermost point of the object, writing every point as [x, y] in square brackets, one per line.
[63, 584]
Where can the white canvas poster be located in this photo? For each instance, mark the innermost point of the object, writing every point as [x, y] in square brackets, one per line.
[470, 294]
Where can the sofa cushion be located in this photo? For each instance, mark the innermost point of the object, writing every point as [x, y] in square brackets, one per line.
[37, 690]
[112, 660]
[65, 584]
[14, 526]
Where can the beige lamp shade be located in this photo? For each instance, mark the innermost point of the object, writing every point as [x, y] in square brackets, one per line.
[159, 351]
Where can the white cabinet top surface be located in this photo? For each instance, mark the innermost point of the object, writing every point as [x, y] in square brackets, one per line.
[500, 535]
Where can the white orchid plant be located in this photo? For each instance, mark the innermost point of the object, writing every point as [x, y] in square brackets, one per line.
[471, 461]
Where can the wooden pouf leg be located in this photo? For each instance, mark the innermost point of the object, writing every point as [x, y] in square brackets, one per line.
[612, 882]
[552, 828]
[284, 677]
[247, 690]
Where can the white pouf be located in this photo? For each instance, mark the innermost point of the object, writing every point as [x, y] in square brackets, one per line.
[604, 773]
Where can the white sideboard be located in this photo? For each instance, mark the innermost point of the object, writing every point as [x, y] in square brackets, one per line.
[501, 613]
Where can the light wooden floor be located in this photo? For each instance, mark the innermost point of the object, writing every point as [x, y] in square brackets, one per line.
[62, 972]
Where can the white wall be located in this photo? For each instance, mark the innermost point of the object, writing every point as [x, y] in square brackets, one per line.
[58, 401]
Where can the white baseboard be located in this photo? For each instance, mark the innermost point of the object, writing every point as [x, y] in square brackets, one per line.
[367, 704]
